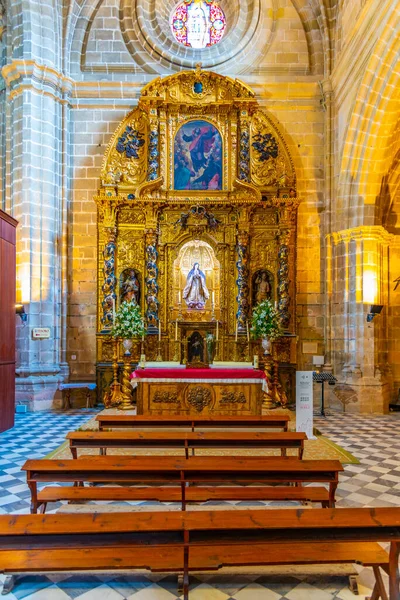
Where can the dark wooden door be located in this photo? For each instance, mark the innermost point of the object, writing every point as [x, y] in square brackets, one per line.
[7, 321]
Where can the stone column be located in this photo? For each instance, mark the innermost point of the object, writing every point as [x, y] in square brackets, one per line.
[359, 276]
[242, 281]
[152, 287]
[38, 201]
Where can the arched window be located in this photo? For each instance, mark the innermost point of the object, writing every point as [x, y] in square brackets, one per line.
[198, 23]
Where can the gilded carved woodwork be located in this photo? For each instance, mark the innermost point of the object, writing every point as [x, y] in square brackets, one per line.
[230, 397]
[165, 397]
[270, 159]
[126, 156]
[199, 397]
[143, 222]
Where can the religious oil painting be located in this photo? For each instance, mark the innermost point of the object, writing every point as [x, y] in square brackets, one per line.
[198, 157]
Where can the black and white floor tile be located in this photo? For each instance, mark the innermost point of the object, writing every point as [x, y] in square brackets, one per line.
[374, 440]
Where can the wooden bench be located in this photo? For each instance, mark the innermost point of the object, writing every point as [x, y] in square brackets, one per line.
[173, 494]
[107, 421]
[170, 469]
[185, 441]
[187, 542]
[78, 385]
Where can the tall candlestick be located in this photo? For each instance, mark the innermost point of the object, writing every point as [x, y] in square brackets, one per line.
[236, 332]
[213, 297]
[176, 330]
[179, 297]
[143, 330]
[276, 305]
[247, 330]
[159, 330]
[217, 332]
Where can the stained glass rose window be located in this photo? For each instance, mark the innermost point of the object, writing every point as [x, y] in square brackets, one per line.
[198, 23]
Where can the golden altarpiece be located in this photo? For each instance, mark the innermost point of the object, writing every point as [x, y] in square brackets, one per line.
[197, 173]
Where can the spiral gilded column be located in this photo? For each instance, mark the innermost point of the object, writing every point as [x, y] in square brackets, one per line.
[110, 280]
[242, 281]
[283, 283]
[152, 288]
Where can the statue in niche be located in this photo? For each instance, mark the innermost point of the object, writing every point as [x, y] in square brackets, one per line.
[129, 287]
[196, 293]
[196, 348]
[262, 287]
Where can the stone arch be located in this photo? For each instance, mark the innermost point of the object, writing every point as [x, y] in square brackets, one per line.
[370, 128]
[314, 19]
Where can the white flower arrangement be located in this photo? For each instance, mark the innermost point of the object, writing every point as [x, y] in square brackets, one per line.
[128, 322]
[266, 322]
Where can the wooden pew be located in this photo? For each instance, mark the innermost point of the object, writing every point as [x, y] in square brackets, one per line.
[107, 421]
[185, 441]
[173, 494]
[185, 541]
[171, 469]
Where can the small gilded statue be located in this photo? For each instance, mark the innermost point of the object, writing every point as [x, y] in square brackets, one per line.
[130, 287]
[262, 287]
[196, 293]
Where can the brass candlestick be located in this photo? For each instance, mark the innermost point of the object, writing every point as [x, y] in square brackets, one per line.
[176, 356]
[114, 397]
[268, 400]
[126, 384]
[185, 351]
[247, 356]
[159, 356]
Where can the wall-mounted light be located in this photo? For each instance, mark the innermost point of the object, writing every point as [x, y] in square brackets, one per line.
[375, 309]
[20, 310]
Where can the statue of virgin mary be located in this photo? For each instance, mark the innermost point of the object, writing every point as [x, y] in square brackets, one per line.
[196, 293]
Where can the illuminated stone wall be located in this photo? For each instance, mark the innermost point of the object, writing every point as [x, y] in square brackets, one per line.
[326, 72]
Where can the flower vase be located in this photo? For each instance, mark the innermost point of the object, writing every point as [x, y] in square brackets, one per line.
[127, 344]
[266, 344]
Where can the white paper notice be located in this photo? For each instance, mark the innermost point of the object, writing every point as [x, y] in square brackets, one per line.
[304, 403]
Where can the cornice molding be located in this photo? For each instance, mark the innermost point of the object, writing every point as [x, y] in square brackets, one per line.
[29, 73]
[365, 232]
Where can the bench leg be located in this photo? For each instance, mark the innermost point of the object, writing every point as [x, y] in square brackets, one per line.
[43, 508]
[332, 492]
[180, 583]
[186, 566]
[66, 404]
[9, 584]
[34, 501]
[379, 587]
[394, 571]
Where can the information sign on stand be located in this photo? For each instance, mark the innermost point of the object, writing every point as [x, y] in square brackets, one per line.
[304, 403]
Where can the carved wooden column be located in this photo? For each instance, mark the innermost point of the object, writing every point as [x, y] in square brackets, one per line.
[110, 280]
[153, 162]
[283, 280]
[152, 287]
[244, 148]
[242, 281]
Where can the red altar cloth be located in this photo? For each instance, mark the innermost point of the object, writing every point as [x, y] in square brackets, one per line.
[198, 374]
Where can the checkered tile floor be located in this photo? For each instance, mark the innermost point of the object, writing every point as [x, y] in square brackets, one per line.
[375, 441]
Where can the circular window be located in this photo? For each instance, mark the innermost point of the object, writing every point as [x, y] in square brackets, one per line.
[198, 23]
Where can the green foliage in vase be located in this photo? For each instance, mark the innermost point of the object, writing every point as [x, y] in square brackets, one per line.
[129, 322]
[265, 321]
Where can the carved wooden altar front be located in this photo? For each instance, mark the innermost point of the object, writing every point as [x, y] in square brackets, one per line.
[240, 220]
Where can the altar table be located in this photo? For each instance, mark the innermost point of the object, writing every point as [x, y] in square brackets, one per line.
[199, 391]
